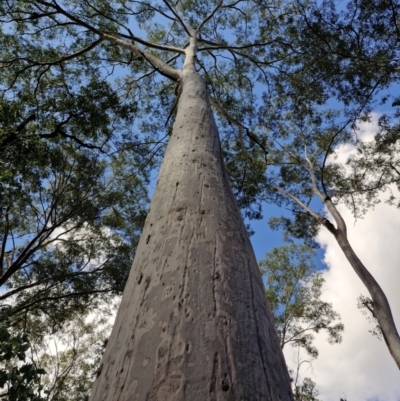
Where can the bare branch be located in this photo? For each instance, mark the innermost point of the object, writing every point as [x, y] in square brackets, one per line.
[314, 180]
[209, 16]
[188, 30]
[241, 127]
[325, 222]
[161, 66]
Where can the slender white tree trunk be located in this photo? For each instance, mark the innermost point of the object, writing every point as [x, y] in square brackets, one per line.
[193, 323]
[381, 307]
[380, 304]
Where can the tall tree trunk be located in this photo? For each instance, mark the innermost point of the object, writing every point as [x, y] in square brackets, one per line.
[193, 323]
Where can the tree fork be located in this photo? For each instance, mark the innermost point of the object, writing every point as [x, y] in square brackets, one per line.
[193, 323]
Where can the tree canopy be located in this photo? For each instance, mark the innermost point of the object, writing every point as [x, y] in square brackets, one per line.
[88, 95]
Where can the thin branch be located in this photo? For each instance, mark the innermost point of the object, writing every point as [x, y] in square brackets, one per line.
[209, 16]
[322, 220]
[241, 127]
[219, 46]
[161, 66]
[394, 168]
[189, 31]
[339, 132]
[59, 61]
[4, 241]
[66, 296]
[300, 164]
[70, 16]
[134, 38]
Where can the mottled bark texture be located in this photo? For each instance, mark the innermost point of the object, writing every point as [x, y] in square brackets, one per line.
[193, 323]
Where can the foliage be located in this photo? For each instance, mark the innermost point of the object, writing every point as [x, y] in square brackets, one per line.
[72, 358]
[81, 118]
[294, 290]
[347, 51]
[336, 62]
[64, 221]
[73, 194]
[366, 306]
[306, 391]
[19, 379]
[375, 168]
[231, 58]
[72, 182]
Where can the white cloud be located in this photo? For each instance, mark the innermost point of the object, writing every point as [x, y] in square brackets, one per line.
[360, 368]
[366, 132]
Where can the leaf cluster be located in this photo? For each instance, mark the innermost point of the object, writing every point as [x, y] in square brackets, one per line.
[19, 379]
[294, 293]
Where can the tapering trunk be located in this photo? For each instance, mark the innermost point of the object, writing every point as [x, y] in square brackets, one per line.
[193, 323]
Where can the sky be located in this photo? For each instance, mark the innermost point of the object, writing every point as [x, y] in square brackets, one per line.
[360, 368]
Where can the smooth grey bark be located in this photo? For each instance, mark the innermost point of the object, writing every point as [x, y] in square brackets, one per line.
[381, 308]
[193, 323]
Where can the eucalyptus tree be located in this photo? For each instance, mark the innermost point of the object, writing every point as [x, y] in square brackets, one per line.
[72, 174]
[193, 322]
[62, 211]
[294, 289]
[306, 177]
[353, 57]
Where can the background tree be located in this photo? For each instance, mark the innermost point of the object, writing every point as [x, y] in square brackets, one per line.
[306, 391]
[351, 60]
[72, 176]
[229, 368]
[302, 174]
[19, 379]
[293, 289]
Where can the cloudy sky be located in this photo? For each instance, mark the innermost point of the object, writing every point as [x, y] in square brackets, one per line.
[360, 368]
